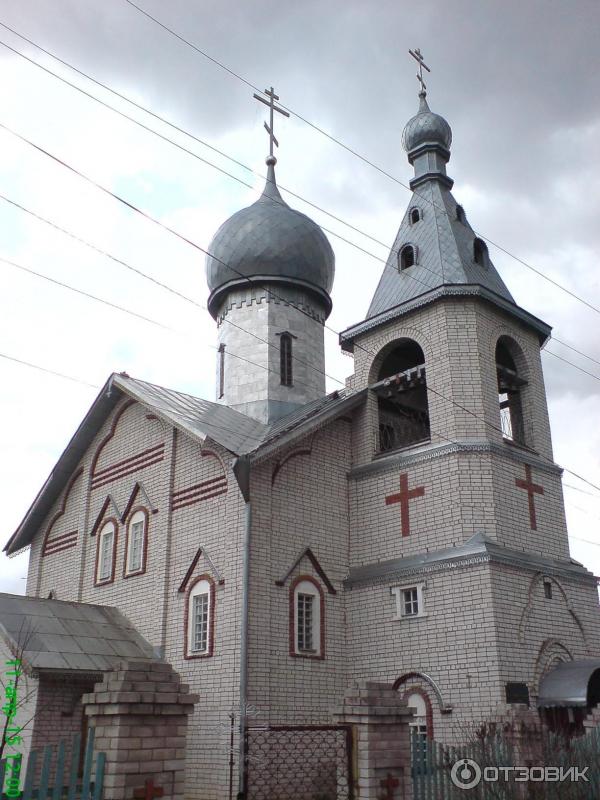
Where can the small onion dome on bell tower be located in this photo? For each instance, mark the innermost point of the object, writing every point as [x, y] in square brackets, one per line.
[266, 243]
[427, 138]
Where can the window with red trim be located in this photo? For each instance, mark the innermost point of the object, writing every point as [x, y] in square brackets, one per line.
[105, 553]
[200, 618]
[137, 540]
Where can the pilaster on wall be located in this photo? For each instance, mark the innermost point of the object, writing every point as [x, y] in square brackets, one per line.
[380, 719]
[140, 713]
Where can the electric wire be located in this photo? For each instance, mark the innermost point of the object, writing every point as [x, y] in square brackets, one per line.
[230, 158]
[225, 155]
[270, 292]
[354, 152]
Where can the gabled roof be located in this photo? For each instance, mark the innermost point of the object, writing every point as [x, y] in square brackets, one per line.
[69, 637]
[198, 418]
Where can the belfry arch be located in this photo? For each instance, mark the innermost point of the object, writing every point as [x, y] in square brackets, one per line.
[398, 380]
[511, 370]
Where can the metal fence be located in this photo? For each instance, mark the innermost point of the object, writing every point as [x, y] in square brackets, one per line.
[303, 762]
[51, 776]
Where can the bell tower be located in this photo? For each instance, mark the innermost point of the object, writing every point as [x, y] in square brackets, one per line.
[270, 270]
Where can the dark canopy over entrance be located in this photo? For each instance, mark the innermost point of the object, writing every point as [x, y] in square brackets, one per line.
[571, 684]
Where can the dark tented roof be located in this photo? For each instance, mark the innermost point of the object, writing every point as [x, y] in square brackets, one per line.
[567, 684]
[69, 637]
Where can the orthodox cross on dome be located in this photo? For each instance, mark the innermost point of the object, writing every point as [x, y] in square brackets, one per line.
[389, 784]
[418, 56]
[270, 127]
[404, 496]
[532, 489]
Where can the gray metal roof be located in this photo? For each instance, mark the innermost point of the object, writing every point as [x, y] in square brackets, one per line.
[69, 637]
[269, 240]
[567, 684]
[477, 549]
[444, 253]
[199, 418]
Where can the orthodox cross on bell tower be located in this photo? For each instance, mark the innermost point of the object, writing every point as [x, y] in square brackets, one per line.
[270, 127]
[418, 56]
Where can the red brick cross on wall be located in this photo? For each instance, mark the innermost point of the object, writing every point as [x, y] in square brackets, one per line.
[149, 792]
[532, 489]
[404, 496]
[389, 784]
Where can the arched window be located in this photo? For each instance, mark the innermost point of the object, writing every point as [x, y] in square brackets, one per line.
[401, 391]
[418, 723]
[510, 386]
[306, 618]
[137, 538]
[415, 215]
[407, 257]
[200, 618]
[480, 252]
[285, 359]
[105, 553]
[460, 213]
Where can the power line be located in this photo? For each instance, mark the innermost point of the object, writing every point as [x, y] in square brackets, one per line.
[48, 371]
[234, 177]
[250, 281]
[222, 153]
[581, 369]
[352, 151]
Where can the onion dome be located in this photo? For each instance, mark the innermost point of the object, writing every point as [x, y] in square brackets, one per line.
[426, 128]
[269, 242]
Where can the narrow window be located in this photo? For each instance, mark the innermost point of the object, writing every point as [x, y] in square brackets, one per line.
[411, 602]
[285, 353]
[480, 252]
[221, 370]
[136, 543]
[460, 213]
[548, 590]
[305, 621]
[106, 553]
[418, 731]
[200, 615]
[415, 215]
[407, 257]
[306, 618]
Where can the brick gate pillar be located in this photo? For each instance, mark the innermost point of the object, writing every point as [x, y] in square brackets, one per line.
[380, 719]
[140, 714]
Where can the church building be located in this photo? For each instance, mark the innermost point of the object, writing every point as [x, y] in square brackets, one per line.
[279, 544]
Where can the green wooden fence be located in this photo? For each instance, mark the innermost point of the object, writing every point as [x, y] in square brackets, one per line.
[432, 762]
[66, 781]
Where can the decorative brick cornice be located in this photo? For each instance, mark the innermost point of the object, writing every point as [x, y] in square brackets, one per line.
[400, 460]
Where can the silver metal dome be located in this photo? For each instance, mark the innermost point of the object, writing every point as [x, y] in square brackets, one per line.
[269, 241]
[426, 128]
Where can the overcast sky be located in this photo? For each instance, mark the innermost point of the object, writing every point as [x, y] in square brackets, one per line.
[518, 82]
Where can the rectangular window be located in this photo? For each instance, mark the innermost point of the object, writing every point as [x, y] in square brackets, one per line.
[410, 599]
[136, 543]
[221, 370]
[106, 556]
[548, 590]
[200, 623]
[305, 622]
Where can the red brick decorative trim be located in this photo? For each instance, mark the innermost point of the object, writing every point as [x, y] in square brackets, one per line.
[133, 497]
[428, 707]
[67, 540]
[213, 487]
[100, 516]
[532, 489]
[110, 434]
[423, 677]
[211, 618]
[106, 581]
[317, 567]
[404, 496]
[142, 570]
[281, 464]
[292, 619]
[146, 458]
[190, 571]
